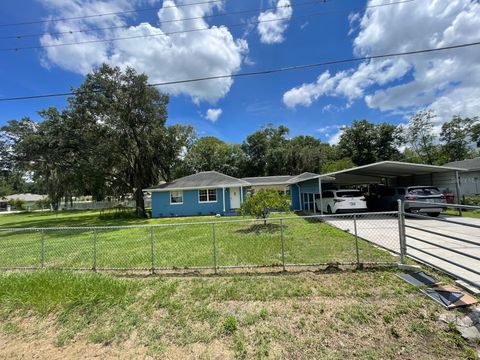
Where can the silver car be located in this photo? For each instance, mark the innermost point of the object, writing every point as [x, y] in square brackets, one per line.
[418, 199]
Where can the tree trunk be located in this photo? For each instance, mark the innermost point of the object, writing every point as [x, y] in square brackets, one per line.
[139, 202]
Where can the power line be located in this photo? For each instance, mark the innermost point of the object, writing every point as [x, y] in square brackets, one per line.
[269, 71]
[21, 36]
[194, 30]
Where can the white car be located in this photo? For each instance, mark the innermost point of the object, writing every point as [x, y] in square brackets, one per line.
[338, 201]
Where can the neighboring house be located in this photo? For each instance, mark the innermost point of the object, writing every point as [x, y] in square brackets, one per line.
[469, 180]
[210, 192]
[28, 199]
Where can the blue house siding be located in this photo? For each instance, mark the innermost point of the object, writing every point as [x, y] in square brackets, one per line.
[294, 194]
[191, 206]
[309, 186]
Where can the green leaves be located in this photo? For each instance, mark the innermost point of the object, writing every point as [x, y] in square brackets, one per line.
[262, 202]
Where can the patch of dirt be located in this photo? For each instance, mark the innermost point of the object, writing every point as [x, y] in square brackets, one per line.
[15, 348]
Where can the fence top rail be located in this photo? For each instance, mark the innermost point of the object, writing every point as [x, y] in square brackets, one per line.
[443, 220]
[454, 206]
[191, 223]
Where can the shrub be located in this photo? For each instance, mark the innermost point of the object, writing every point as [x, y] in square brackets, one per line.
[471, 200]
[17, 204]
[262, 202]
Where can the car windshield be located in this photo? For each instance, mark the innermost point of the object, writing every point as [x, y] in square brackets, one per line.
[426, 191]
[349, 194]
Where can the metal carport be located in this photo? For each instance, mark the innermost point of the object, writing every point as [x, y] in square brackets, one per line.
[393, 172]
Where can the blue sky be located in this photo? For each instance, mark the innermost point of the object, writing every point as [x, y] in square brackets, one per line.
[313, 102]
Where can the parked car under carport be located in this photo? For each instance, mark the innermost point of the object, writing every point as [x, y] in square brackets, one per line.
[422, 199]
[389, 173]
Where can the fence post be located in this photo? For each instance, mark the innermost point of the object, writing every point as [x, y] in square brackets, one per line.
[401, 232]
[356, 238]
[152, 252]
[282, 237]
[214, 249]
[94, 250]
[42, 251]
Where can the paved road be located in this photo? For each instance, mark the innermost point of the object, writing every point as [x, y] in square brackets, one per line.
[383, 231]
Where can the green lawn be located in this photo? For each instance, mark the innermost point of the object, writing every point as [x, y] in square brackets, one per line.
[187, 244]
[342, 315]
[473, 214]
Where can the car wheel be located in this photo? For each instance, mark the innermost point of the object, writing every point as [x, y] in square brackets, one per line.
[433, 214]
[329, 209]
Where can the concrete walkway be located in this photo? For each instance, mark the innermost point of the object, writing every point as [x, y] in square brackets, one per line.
[383, 231]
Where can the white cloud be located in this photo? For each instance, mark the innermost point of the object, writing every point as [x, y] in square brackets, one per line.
[163, 58]
[325, 130]
[446, 81]
[335, 138]
[270, 30]
[332, 133]
[350, 84]
[213, 114]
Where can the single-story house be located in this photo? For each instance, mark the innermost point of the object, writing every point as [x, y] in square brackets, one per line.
[29, 200]
[210, 192]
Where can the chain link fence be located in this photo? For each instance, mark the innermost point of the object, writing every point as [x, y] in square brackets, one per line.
[350, 239]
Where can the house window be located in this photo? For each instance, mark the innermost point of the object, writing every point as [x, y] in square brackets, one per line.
[176, 197]
[207, 195]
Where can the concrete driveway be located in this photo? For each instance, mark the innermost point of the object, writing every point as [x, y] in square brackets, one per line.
[383, 231]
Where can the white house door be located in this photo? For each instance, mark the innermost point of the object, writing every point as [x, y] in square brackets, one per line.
[234, 198]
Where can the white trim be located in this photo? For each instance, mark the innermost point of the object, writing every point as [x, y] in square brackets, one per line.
[175, 203]
[241, 195]
[208, 196]
[223, 197]
[320, 190]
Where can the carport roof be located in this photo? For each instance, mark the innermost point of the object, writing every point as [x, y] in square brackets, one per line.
[371, 173]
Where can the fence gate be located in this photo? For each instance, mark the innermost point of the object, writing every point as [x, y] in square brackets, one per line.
[449, 242]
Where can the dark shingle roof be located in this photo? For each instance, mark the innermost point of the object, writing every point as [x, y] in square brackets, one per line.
[269, 180]
[469, 164]
[204, 179]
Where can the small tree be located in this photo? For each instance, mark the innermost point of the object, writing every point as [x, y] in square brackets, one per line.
[262, 202]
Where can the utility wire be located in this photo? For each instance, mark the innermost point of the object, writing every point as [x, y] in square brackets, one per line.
[269, 71]
[14, 49]
[21, 36]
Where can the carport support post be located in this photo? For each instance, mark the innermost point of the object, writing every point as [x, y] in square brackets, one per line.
[401, 232]
[457, 190]
[321, 195]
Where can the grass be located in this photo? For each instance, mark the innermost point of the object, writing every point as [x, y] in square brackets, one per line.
[295, 316]
[472, 214]
[183, 245]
